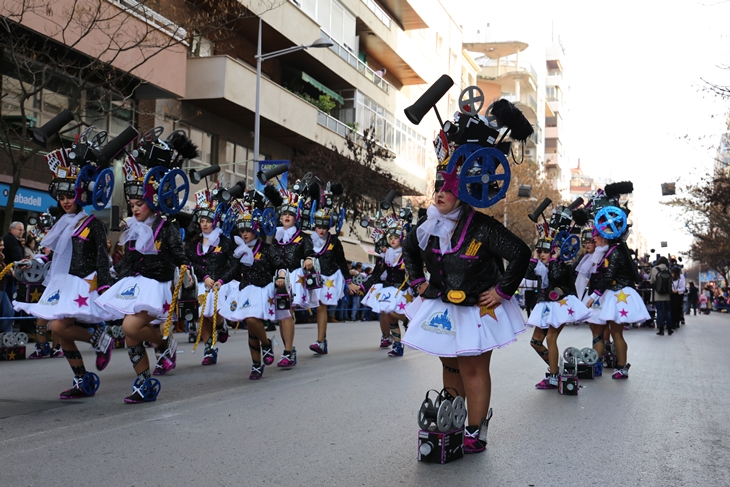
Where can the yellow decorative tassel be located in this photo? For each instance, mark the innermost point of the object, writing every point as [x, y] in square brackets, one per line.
[6, 269]
[214, 332]
[202, 299]
[173, 303]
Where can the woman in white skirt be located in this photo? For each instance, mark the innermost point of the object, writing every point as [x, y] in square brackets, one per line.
[326, 249]
[143, 294]
[464, 310]
[289, 243]
[211, 255]
[387, 293]
[620, 303]
[79, 274]
[587, 278]
[254, 300]
[556, 305]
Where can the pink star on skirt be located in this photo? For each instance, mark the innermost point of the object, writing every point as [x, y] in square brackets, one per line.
[401, 306]
[328, 296]
[166, 307]
[82, 301]
[570, 311]
[624, 312]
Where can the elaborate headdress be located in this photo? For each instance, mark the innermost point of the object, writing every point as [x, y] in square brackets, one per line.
[317, 203]
[472, 149]
[610, 217]
[206, 205]
[82, 172]
[387, 221]
[152, 171]
[559, 233]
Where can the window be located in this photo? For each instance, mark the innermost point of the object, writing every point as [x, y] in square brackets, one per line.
[237, 166]
[204, 141]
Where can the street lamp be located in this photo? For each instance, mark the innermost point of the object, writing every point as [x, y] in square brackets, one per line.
[321, 42]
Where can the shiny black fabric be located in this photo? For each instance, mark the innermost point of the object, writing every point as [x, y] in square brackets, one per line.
[471, 274]
[615, 272]
[265, 264]
[394, 277]
[291, 254]
[90, 252]
[160, 267]
[560, 276]
[331, 257]
[217, 263]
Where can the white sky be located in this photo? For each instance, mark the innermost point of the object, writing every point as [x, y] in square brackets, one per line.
[635, 71]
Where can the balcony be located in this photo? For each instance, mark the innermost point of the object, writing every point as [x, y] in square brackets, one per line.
[510, 69]
[358, 65]
[403, 12]
[526, 103]
[552, 133]
[551, 160]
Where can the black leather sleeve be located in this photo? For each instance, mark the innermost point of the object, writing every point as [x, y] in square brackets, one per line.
[413, 258]
[508, 246]
[103, 263]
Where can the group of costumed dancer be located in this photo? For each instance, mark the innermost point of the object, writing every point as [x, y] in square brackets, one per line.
[444, 277]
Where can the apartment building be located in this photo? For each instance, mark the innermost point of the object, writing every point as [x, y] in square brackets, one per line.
[383, 56]
[557, 162]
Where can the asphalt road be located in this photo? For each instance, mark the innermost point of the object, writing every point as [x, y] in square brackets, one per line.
[349, 419]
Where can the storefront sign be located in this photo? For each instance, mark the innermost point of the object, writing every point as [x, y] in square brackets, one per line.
[27, 199]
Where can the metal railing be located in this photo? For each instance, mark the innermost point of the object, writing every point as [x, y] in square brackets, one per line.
[379, 12]
[355, 62]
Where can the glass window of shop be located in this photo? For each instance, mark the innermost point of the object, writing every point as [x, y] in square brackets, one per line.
[238, 166]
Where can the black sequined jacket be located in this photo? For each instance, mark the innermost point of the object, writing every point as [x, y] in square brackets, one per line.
[217, 263]
[161, 266]
[331, 257]
[479, 243]
[90, 253]
[265, 264]
[394, 277]
[560, 278]
[292, 253]
[614, 273]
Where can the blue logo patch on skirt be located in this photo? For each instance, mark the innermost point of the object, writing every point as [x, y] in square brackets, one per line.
[52, 300]
[233, 305]
[440, 323]
[384, 298]
[247, 304]
[545, 311]
[129, 293]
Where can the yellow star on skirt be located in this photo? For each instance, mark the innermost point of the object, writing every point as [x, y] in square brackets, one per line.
[330, 283]
[621, 297]
[300, 280]
[486, 310]
[93, 285]
[563, 302]
[35, 295]
[409, 298]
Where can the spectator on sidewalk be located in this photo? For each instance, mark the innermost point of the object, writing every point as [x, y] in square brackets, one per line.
[661, 281]
[693, 297]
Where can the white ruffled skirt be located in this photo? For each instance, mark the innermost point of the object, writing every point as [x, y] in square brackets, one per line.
[446, 330]
[558, 313]
[249, 302]
[333, 288]
[136, 294]
[210, 308]
[388, 299]
[623, 306]
[67, 297]
[300, 294]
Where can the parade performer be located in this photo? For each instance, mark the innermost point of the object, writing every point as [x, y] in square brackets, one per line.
[557, 303]
[289, 243]
[211, 255]
[254, 300]
[617, 274]
[586, 280]
[465, 308]
[146, 292]
[78, 275]
[387, 290]
[325, 256]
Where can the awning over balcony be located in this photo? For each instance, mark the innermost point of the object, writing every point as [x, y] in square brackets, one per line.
[305, 77]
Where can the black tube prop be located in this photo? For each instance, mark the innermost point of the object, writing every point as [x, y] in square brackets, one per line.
[42, 134]
[113, 148]
[197, 176]
[575, 204]
[264, 176]
[388, 201]
[428, 100]
[536, 214]
[234, 192]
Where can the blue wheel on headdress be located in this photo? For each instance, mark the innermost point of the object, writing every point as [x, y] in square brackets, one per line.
[484, 164]
[558, 240]
[268, 221]
[464, 150]
[103, 188]
[154, 175]
[340, 220]
[173, 191]
[610, 222]
[569, 248]
[90, 383]
[312, 210]
[228, 221]
[86, 176]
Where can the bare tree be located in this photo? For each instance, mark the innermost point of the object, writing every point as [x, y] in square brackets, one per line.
[93, 54]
